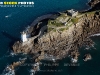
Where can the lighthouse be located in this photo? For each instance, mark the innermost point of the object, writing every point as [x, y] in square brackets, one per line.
[23, 37]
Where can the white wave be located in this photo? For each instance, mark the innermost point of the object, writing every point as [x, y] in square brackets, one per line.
[7, 54]
[8, 71]
[7, 16]
[10, 15]
[96, 34]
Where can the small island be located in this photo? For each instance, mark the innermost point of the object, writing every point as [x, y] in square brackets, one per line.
[87, 57]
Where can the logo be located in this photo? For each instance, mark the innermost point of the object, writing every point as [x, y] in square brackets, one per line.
[16, 4]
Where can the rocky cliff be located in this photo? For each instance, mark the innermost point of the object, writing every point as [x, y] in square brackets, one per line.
[95, 5]
[68, 40]
[92, 3]
[60, 43]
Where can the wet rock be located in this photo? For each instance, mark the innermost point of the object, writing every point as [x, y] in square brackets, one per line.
[92, 3]
[87, 57]
[74, 56]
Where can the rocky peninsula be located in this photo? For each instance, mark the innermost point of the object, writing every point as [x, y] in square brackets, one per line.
[61, 36]
[64, 35]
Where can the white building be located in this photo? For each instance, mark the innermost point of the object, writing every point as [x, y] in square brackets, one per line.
[23, 37]
[72, 12]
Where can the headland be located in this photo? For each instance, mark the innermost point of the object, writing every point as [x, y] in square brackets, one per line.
[61, 36]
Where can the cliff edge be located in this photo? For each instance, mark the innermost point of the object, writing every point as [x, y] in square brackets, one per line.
[61, 39]
[64, 36]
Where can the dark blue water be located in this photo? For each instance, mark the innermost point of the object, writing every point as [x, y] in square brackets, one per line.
[19, 18]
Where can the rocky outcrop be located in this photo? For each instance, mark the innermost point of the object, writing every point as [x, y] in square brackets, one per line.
[60, 43]
[10, 69]
[94, 4]
[87, 57]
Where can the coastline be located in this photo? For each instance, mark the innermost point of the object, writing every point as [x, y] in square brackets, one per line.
[93, 6]
[39, 60]
[41, 50]
[14, 47]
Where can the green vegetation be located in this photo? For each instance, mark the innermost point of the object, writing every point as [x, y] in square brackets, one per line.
[59, 21]
[63, 22]
[74, 20]
[92, 12]
[54, 23]
[62, 29]
[67, 26]
[49, 29]
[54, 30]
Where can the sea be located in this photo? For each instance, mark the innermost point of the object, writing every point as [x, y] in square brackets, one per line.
[13, 20]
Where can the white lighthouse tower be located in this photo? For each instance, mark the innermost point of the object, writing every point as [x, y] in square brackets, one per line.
[23, 37]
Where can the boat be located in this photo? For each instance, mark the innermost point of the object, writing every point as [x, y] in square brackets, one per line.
[6, 16]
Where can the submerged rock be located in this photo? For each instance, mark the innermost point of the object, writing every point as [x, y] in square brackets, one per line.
[35, 68]
[8, 71]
